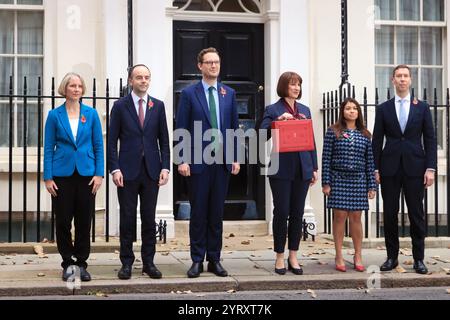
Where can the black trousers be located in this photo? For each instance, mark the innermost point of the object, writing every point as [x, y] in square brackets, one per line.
[74, 201]
[147, 190]
[289, 206]
[413, 189]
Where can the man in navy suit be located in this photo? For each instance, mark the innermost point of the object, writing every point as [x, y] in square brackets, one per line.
[139, 168]
[211, 106]
[404, 163]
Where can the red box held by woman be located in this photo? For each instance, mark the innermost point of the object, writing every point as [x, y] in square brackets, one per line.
[292, 135]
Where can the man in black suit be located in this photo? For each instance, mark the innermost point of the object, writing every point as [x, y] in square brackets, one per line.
[404, 163]
[140, 168]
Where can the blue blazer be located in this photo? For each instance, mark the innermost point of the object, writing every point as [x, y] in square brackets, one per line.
[308, 159]
[405, 148]
[193, 107]
[62, 154]
[150, 142]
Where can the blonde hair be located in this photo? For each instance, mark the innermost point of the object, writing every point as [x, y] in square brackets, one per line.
[65, 82]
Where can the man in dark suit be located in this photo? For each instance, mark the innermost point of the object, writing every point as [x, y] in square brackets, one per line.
[405, 164]
[207, 105]
[140, 168]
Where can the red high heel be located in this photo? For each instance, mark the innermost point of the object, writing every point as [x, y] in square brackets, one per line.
[358, 267]
[341, 268]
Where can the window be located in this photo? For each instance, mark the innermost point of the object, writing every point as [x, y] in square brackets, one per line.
[21, 55]
[411, 32]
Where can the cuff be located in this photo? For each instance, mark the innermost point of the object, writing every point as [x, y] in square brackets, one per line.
[114, 171]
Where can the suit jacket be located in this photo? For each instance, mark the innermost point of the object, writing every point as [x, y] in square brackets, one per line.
[150, 142]
[62, 154]
[308, 159]
[415, 149]
[193, 107]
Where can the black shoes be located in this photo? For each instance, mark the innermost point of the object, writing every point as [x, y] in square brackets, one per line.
[84, 275]
[389, 264]
[281, 271]
[151, 270]
[124, 272]
[195, 270]
[71, 270]
[216, 268]
[420, 267]
[296, 271]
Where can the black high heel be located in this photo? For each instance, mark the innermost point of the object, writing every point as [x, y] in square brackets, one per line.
[296, 271]
[281, 271]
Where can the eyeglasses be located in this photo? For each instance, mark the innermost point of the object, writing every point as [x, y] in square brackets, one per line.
[210, 63]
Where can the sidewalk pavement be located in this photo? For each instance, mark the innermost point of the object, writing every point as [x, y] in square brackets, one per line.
[249, 261]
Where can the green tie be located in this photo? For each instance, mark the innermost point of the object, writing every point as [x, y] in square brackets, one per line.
[212, 108]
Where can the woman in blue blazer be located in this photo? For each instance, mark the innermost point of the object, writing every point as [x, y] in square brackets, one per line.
[297, 172]
[73, 172]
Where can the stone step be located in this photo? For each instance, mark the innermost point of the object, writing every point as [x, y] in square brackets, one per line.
[238, 228]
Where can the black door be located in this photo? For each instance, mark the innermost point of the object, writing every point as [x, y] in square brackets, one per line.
[241, 47]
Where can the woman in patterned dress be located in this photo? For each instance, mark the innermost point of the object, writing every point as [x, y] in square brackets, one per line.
[348, 176]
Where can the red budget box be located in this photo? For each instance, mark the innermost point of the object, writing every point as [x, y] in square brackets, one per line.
[292, 135]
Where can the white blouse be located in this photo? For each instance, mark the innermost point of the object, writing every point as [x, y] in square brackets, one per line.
[74, 127]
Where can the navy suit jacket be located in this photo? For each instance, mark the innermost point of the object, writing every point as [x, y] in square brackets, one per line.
[62, 154]
[193, 107]
[150, 142]
[415, 149]
[308, 159]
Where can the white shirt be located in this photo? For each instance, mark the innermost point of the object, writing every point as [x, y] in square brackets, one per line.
[136, 99]
[74, 127]
[406, 104]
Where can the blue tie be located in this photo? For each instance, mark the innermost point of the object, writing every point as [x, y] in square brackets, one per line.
[403, 118]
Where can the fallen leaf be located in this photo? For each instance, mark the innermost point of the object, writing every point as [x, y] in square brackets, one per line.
[252, 236]
[228, 252]
[400, 269]
[246, 242]
[408, 262]
[446, 270]
[231, 235]
[367, 291]
[381, 248]
[313, 294]
[256, 266]
[231, 291]
[93, 258]
[45, 240]
[39, 250]
[432, 262]
[310, 246]
[41, 274]
[101, 294]
[322, 263]
[165, 253]
[199, 295]
[116, 251]
[179, 292]
[270, 248]
[448, 291]
[406, 252]
[436, 257]
[187, 292]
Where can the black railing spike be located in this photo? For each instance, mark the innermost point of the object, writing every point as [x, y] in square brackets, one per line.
[388, 94]
[353, 92]
[24, 176]
[413, 93]
[38, 186]
[10, 169]
[425, 98]
[376, 96]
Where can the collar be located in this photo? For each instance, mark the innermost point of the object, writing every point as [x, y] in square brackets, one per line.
[136, 98]
[206, 86]
[407, 98]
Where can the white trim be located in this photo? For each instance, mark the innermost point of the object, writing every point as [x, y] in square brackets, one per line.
[410, 23]
[20, 7]
[206, 16]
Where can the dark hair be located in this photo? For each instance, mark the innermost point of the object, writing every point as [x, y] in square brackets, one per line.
[285, 80]
[130, 70]
[341, 125]
[401, 66]
[205, 51]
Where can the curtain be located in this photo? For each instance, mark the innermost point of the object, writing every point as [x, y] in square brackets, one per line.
[384, 45]
[433, 10]
[388, 9]
[407, 45]
[409, 10]
[30, 32]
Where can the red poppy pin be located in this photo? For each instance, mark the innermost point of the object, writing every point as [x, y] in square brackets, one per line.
[83, 119]
[302, 116]
[223, 92]
[415, 101]
[345, 135]
[150, 104]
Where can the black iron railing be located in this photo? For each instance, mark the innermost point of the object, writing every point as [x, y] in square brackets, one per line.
[7, 232]
[441, 215]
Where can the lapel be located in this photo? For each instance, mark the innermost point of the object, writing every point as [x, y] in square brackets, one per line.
[64, 119]
[84, 111]
[280, 107]
[200, 93]
[412, 112]
[132, 110]
[221, 103]
[149, 110]
[393, 113]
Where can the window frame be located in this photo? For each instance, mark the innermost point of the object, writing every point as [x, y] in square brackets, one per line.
[16, 8]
